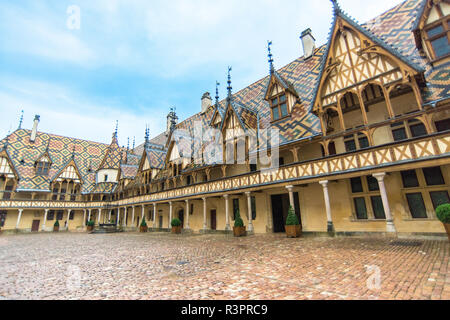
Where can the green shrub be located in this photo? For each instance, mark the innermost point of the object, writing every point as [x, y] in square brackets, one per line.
[292, 219]
[443, 213]
[238, 222]
[143, 223]
[90, 223]
[176, 222]
[56, 224]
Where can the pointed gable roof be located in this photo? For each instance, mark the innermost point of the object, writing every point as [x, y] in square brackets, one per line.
[113, 156]
[67, 170]
[337, 16]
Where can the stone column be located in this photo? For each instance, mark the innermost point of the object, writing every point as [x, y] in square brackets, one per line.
[187, 215]
[99, 216]
[390, 227]
[68, 218]
[89, 215]
[330, 227]
[125, 215]
[84, 217]
[109, 216]
[154, 215]
[170, 214]
[227, 212]
[142, 212]
[205, 224]
[118, 217]
[132, 217]
[45, 219]
[18, 218]
[291, 196]
[249, 211]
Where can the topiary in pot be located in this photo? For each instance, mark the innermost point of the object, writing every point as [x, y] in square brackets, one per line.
[143, 227]
[176, 225]
[56, 226]
[90, 225]
[443, 214]
[293, 227]
[239, 228]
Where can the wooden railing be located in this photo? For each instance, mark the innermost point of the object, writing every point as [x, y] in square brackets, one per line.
[430, 147]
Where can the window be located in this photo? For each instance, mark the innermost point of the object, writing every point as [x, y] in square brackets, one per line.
[62, 196]
[191, 212]
[416, 205]
[281, 161]
[399, 131]
[72, 214]
[442, 125]
[188, 180]
[253, 202]
[7, 193]
[279, 107]
[2, 218]
[51, 215]
[253, 167]
[106, 177]
[437, 37]
[417, 128]
[42, 168]
[366, 198]
[424, 190]
[235, 207]
[408, 129]
[59, 215]
[355, 141]
[433, 176]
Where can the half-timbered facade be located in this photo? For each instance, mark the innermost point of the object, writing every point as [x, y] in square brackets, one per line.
[362, 144]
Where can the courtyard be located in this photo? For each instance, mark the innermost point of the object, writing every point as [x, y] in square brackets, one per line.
[202, 267]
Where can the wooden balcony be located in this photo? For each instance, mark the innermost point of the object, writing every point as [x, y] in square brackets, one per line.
[388, 157]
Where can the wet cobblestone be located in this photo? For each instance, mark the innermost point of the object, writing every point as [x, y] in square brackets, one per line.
[165, 266]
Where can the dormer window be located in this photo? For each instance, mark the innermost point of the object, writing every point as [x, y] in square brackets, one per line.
[438, 37]
[279, 107]
[43, 166]
[106, 177]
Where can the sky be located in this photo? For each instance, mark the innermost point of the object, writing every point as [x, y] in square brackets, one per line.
[82, 64]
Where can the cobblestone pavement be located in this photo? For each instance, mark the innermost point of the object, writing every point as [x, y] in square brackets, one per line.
[165, 266]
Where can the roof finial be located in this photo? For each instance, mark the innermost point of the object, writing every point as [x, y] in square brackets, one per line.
[128, 144]
[117, 127]
[217, 92]
[269, 43]
[73, 152]
[134, 141]
[146, 136]
[229, 83]
[20, 121]
[336, 6]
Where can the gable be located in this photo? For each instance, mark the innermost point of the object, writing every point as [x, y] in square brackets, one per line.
[70, 173]
[232, 126]
[146, 165]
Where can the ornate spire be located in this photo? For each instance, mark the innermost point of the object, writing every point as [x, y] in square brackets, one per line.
[128, 144]
[217, 93]
[272, 69]
[117, 127]
[146, 137]
[21, 120]
[229, 84]
[134, 141]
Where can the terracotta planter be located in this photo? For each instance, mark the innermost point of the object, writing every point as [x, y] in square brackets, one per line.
[90, 228]
[176, 230]
[239, 231]
[143, 228]
[447, 228]
[55, 229]
[293, 231]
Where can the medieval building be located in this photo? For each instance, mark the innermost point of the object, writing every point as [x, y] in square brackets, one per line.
[363, 145]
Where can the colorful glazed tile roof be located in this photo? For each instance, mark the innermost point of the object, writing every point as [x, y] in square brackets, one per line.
[104, 187]
[128, 171]
[87, 156]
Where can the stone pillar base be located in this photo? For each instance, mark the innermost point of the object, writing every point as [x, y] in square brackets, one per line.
[390, 227]
[330, 226]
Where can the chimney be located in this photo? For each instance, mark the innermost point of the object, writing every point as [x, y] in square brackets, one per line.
[309, 43]
[34, 130]
[206, 101]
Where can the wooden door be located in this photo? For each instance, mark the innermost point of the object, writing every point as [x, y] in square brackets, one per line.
[35, 225]
[213, 220]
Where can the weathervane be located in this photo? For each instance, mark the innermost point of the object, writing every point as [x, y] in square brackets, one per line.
[229, 83]
[20, 121]
[217, 92]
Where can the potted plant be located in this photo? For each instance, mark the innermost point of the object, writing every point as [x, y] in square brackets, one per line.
[143, 227]
[90, 225]
[176, 225]
[238, 228]
[56, 226]
[443, 214]
[292, 227]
